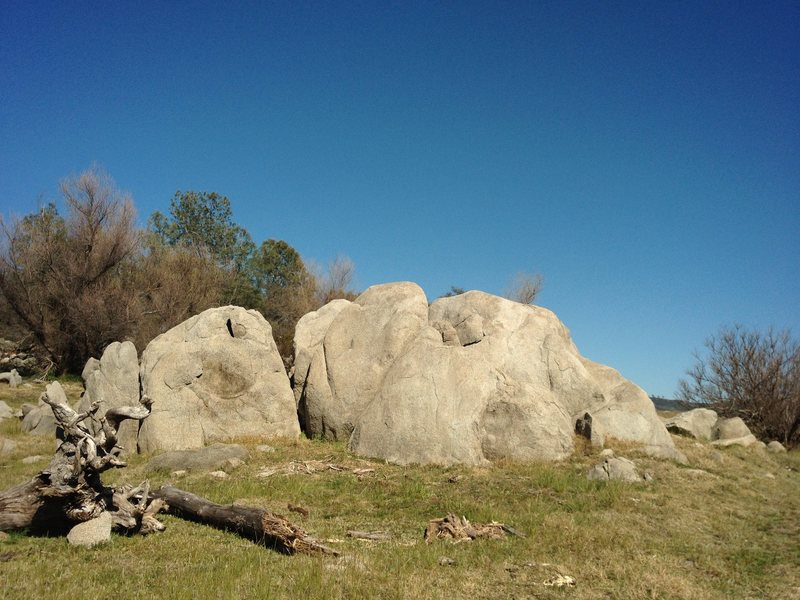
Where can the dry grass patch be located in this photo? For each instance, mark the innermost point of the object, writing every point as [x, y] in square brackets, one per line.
[729, 530]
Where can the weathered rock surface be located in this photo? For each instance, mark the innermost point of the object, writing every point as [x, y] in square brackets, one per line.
[217, 376]
[471, 378]
[732, 432]
[26, 360]
[615, 469]
[745, 440]
[697, 423]
[312, 391]
[113, 381]
[775, 447]
[200, 459]
[12, 378]
[92, 532]
[5, 411]
[39, 420]
[729, 429]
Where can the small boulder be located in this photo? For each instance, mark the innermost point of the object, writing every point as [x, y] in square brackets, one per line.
[615, 468]
[90, 533]
[775, 447]
[697, 423]
[200, 459]
[730, 429]
[232, 464]
[5, 411]
[745, 441]
[218, 474]
[11, 377]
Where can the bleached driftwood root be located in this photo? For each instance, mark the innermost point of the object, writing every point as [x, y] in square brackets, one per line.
[459, 529]
[70, 490]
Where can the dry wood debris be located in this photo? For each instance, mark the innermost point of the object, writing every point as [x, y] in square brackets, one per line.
[309, 467]
[459, 529]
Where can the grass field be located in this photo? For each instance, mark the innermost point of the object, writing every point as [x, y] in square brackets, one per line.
[731, 532]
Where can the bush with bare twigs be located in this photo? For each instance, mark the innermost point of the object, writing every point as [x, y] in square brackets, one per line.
[752, 375]
[67, 277]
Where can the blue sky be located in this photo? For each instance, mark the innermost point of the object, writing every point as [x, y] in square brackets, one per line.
[643, 156]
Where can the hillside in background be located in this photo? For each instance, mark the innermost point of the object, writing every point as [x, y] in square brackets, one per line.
[667, 404]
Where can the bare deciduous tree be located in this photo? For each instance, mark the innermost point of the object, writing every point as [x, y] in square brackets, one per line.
[752, 375]
[174, 283]
[336, 281]
[64, 277]
[525, 287]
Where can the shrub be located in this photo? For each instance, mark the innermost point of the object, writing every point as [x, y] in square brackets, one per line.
[752, 375]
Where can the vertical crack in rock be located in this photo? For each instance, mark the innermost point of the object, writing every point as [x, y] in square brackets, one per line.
[230, 328]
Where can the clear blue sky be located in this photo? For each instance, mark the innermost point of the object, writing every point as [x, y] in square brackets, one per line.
[643, 156]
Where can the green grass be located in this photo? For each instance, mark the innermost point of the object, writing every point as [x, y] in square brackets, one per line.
[734, 533]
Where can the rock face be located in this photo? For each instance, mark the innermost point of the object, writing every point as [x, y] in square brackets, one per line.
[114, 382]
[214, 377]
[312, 386]
[697, 423]
[471, 378]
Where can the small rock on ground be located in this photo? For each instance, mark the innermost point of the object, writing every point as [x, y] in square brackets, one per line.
[615, 468]
[200, 459]
[29, 460]
[219, 474]
[91, 532]
[5, 411]
[776, 447]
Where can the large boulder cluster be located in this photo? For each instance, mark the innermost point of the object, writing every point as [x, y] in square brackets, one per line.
[468, 379]
[705, 424]
[24, 360]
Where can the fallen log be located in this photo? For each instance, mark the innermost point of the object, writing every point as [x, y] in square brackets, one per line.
[70, 491]
[257, 524]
